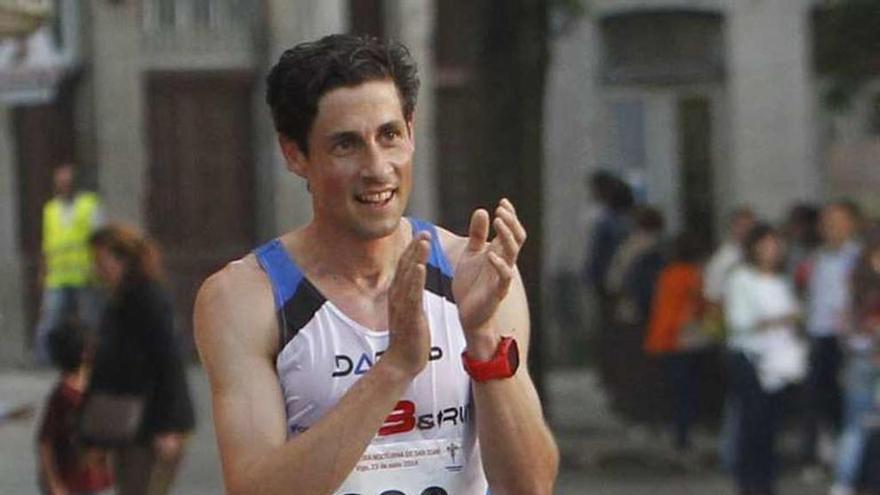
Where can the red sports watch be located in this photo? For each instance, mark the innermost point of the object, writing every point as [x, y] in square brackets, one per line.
[503, 364]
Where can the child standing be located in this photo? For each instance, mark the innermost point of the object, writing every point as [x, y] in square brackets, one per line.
[65, 466]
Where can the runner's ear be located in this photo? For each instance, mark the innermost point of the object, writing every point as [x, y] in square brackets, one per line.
[410, 127]
[293, 156]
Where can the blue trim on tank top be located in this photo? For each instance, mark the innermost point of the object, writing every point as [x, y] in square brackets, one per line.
[286, 276]
[437, 257]
[283, 272]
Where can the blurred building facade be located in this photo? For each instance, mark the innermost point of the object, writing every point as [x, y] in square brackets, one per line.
[703, 106]
[160, 102]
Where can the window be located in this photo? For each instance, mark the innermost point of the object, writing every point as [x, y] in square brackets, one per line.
[173, 15]
[662, 48]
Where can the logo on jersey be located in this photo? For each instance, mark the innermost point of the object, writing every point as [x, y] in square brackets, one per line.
[453, 449]
[404, 419]
[347, 365]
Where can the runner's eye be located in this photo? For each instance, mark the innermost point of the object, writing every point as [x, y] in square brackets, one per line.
[390, 134]
[344, 145]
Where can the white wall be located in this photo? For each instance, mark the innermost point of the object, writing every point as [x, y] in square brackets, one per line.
[573, 128]
[119, 114]
[773, 128]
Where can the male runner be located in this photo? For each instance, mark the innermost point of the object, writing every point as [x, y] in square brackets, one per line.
[336, 351]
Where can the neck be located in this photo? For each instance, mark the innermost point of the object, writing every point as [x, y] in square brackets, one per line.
[337, 253]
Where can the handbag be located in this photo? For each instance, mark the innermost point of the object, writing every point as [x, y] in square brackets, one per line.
[111, 419]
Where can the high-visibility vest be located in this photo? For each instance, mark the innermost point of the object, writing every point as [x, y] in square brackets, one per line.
[66, 249]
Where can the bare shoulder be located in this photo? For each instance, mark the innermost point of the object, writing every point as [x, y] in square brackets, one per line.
[235, 307]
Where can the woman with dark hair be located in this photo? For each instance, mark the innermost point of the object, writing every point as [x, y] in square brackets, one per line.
[138, 355]
[861, 373]
[765, 355]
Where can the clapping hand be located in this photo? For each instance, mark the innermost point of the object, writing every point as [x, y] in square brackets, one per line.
[485, 269]
[409, 338]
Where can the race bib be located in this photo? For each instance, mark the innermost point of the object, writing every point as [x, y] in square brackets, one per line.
[426, 467]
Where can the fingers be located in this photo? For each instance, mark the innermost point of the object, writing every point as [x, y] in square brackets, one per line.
[416, 252]
[504, 238]
[421, 247]
[505, 273]
[509, 232]
[507, 212]
[478, 231]
[409, 279]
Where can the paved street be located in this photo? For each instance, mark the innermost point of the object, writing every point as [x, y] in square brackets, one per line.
[600, 456]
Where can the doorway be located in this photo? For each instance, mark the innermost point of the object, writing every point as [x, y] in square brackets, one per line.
[200, 193]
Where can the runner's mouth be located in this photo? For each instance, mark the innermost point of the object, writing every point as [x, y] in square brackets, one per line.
[379, 198]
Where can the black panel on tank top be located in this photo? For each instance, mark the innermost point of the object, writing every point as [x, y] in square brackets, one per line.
[299, 310]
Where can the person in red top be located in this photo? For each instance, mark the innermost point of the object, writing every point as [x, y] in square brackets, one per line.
[677, 308]
[65, 466]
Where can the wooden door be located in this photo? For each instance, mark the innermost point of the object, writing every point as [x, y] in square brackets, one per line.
[200, 200]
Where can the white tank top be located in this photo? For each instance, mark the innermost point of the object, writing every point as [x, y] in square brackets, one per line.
[428, 445]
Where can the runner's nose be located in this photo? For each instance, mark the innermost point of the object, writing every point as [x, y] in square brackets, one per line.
[376, 165]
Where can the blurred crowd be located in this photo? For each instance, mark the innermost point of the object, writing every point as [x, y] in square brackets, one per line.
[120, 413]
[774, 328]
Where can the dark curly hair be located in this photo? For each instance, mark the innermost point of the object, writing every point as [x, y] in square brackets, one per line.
[307, 71]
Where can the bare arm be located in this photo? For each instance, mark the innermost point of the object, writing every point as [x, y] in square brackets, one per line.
[518, 450]
[236, 334]
[50, 469]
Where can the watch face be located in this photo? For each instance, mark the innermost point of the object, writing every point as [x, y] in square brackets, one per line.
[513, 357]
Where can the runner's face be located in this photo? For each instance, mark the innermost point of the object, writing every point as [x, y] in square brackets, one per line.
[359, 166]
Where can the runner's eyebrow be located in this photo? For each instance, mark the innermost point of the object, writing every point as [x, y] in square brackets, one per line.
[341, 136]
[394, 125]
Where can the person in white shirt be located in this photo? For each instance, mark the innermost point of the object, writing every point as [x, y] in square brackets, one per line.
[761, 312]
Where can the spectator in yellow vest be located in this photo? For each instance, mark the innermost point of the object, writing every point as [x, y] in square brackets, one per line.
[69, 219]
